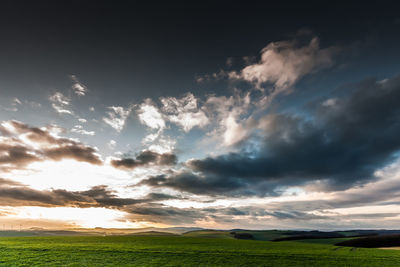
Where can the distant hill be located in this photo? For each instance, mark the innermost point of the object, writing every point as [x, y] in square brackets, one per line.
[41, 232]
[265, 235]
[153, 233]
[285, 235]
[36, 231]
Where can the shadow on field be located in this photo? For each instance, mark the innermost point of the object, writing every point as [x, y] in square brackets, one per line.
[372, 241]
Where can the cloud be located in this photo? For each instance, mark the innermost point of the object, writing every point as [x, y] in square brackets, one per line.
[160, 144]
[227, 113]
[150, 115]
[117, 117]
[184, 112]
[187, 181]
[145, 158]
[16, 101]
[22, 144]
[16, 194]
[78, 87]
[159, 213]
[60, 103]
[283, 63]
[79, 129]
[340, 147]
[244, 215]
[9, 182]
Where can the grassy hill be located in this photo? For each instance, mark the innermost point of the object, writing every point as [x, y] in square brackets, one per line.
[283, 235]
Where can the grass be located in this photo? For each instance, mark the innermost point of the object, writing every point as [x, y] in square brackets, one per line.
[182, 251]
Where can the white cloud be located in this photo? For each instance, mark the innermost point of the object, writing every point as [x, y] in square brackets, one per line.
[79, 129]
[229, 114]
[82, 120]
[163, 145]
[117, 116]
[60, 103]
[16, 101]
[284, 63]
[331, 102]
[78, 87]
[234, 131]
[184, 112]
[150, 115]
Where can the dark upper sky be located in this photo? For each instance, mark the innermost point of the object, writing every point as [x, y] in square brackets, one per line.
[140, 50]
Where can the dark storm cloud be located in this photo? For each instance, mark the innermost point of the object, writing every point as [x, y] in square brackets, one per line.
[106, 197]
[159, 213]
[76, 151]
[345, 142]
[15, 156]
[145, 158]
[17, 150]
[193, 183]
[15, 194]
[262, 212]
[24, 196]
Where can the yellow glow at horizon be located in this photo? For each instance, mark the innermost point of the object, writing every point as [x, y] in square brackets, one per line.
[82, 217]
[371, 209]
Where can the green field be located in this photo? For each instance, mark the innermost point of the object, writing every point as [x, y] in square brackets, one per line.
[183, 251]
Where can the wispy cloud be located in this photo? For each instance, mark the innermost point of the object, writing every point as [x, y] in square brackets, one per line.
[78, 88]
[79, 129]
[60, 103]
[117, 117]
[145, 158]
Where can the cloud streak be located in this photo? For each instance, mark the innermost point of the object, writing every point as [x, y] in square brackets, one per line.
[145, 158]
[77, 87]
[22, 144]
[60, 103]
[117, 116]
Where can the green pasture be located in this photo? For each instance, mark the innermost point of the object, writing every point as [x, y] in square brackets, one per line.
[182, 251]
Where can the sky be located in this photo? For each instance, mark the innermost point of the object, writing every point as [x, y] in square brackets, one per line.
[216, 115]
